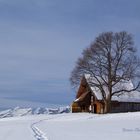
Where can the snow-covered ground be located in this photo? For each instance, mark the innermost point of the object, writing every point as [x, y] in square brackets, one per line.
[68, 126]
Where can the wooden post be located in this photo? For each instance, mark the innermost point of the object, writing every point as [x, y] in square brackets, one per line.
[92, 107]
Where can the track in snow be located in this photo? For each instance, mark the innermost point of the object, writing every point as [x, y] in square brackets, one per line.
[38, 134]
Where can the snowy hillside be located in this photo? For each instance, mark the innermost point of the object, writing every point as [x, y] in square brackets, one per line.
[32, 111]
[67, 126]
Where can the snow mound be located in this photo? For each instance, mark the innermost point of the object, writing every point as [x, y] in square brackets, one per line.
[32, 111]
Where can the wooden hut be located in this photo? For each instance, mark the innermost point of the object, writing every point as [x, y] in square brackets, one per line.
[88, 100]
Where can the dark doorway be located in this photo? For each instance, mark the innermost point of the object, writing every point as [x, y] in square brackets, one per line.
[83, 108]
[95, 108]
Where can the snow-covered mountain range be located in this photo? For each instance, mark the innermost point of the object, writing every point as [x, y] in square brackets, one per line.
[33, 111]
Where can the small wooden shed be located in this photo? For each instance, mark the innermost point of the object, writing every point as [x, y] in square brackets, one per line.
[89, 101]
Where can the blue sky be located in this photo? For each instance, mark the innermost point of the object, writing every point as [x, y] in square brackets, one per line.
[40, 41]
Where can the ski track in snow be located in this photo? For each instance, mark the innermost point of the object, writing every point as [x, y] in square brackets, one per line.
[38, 134]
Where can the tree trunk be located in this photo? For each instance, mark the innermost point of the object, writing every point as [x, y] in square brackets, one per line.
[107, 104]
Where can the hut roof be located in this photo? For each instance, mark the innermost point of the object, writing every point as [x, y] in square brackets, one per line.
[133, 96]
[82, 97]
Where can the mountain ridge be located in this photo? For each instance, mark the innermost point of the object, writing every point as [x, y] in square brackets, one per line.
[19, 111]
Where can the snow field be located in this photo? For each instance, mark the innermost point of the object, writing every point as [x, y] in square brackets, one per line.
[78, 126]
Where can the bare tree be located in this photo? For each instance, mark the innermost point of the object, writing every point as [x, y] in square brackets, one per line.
[110, 59]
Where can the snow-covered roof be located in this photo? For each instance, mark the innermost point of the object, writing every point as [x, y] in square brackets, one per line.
[133, 96]
[81, 97]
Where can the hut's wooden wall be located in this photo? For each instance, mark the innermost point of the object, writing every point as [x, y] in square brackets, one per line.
[124, 107]
[75, 107]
